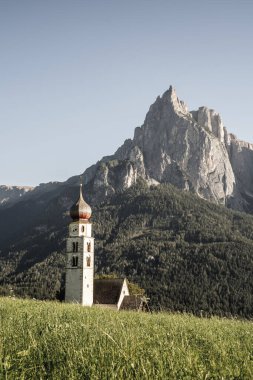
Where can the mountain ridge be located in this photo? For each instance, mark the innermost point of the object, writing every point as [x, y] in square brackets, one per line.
[191, 150]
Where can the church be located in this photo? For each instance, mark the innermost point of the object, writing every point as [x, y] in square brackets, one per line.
[80, 285]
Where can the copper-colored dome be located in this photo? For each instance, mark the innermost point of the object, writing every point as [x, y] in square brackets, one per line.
[81, 209]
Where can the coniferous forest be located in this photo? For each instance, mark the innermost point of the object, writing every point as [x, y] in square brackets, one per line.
[188, 254]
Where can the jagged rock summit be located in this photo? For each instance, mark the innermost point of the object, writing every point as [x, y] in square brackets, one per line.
[191, 150]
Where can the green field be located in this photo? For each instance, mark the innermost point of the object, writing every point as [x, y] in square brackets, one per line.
[47, 340]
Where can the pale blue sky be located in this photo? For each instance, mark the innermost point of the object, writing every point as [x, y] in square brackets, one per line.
[76, 77]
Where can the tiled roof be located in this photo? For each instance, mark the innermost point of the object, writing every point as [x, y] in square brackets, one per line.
[107, 290]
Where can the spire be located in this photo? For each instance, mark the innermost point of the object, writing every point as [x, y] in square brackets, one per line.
[81, 188]
[80, 209]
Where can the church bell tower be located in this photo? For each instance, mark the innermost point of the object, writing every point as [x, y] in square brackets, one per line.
[80, 255]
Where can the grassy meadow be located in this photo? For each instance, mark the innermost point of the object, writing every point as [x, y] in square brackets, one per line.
[49, 340]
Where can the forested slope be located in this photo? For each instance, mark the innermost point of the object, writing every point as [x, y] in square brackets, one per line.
[187, 253]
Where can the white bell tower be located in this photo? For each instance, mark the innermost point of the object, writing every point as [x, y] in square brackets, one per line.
[80, 255]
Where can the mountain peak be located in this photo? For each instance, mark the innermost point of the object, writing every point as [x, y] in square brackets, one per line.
[170, 91]
[170, 97]
[182, 148]
[166, 106]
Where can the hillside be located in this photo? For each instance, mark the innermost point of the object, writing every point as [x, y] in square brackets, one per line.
[47, 340]
[9, 194]
[188, 254]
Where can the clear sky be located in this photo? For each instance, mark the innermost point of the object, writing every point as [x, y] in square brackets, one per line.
[77, 76]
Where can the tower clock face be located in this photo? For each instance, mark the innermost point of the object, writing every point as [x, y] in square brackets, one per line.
[74, 230]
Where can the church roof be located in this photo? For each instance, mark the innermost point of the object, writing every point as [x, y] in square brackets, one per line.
[81, 209]
[132, 302]
[107, 290]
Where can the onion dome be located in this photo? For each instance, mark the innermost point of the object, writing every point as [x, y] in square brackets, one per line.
[81, 209]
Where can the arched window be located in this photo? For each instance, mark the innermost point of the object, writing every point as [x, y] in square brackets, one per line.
[88, 260]
[88, 246]
[82, 228]
[74, 261]
[75, 246]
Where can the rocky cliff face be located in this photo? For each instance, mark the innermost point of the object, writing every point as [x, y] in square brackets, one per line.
[10, 194]
[172, 146]
[210, 120]
[241, 158]
[112, 176]
[191, 150]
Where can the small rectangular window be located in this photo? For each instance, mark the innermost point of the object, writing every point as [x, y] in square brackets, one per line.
[74, 261]
[88, 260]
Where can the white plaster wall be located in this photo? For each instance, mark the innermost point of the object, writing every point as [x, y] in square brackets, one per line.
[88, 272]
[87, 296]
[88, 229]
[79, 280]
[124, 292]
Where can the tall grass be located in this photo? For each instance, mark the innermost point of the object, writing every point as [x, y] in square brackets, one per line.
[47, 340]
